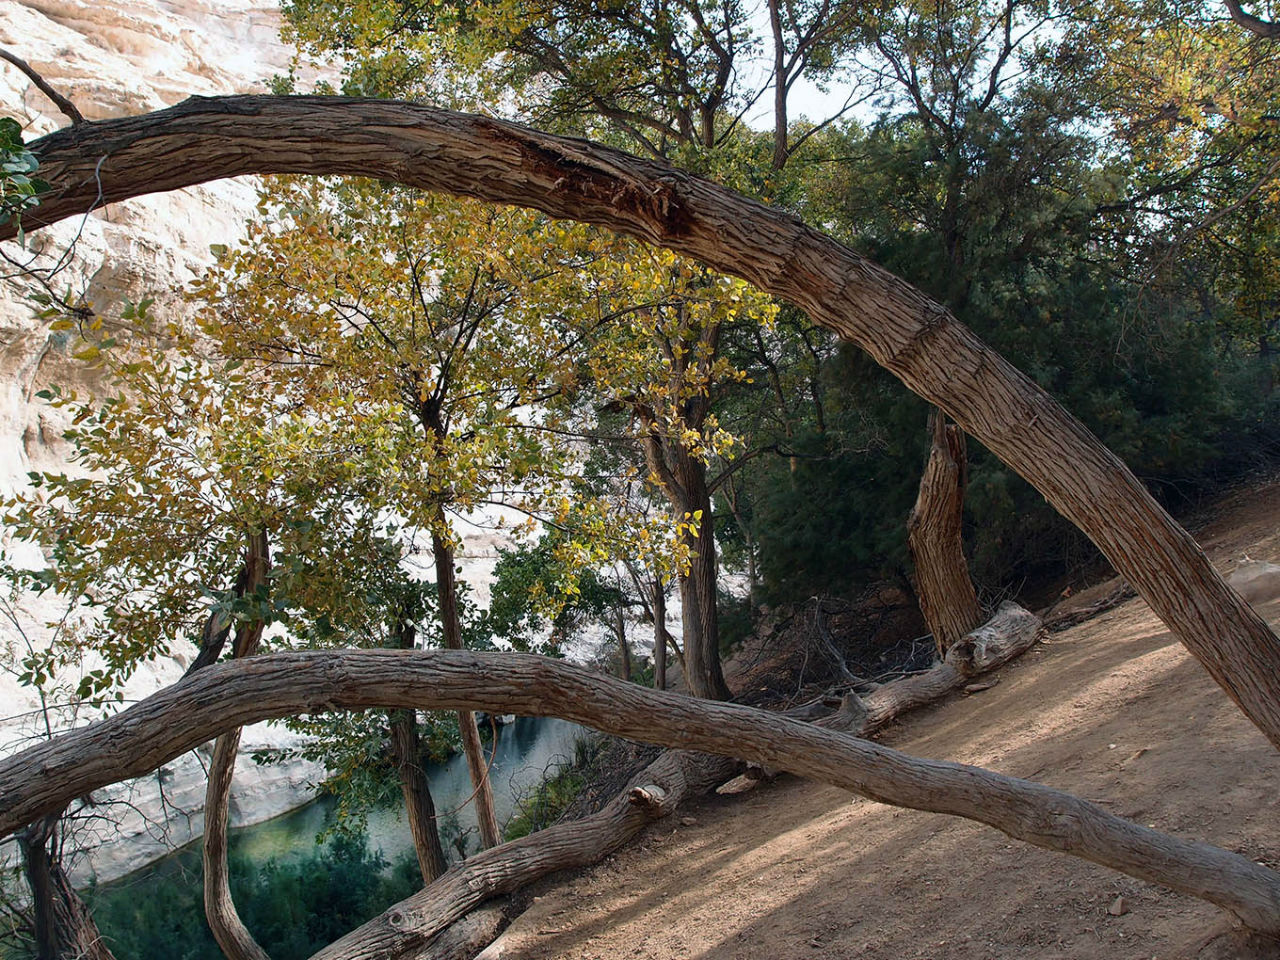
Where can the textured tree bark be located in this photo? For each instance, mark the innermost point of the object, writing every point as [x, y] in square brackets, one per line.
[420, 808]
[228, 929]
[947, 598]
[405, 929]
[41, 779]
[472, 936]
[451, 626]
[914, 338]
[698, 600]
[64, 928]
[683, 479]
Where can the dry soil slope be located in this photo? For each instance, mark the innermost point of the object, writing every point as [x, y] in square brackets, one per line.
[1113, 709]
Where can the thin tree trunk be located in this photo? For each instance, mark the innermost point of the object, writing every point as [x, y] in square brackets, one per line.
[406, 751]
[780, 123]
[913, 337]
[698, 600]
[624, 649]
[64, 927]
[230, 695]
[419, 806]
[660, 635]
[228, 929]
[947, 598]
[451, 628]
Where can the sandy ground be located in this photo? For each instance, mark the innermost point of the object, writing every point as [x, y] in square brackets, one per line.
[1113, 709]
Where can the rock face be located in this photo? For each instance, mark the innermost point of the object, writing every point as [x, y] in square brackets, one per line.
[111, 58]
[115, 58]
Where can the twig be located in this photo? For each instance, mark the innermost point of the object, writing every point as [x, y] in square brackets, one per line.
[61, 102]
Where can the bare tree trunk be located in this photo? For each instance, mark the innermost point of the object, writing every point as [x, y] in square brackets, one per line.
[947, 598]
[660, 635]
[698, 600]
[451, 627]
[420, 808]
[230, 695]
[780, 87]
[228, 929]
[64, 927]
[683, 479]
[913, 337]
[624, 649]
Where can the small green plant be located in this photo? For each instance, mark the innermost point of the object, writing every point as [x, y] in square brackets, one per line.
[293, 907]
[559, 788]
[20, 189]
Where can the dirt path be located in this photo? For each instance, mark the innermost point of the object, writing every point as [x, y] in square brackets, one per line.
[1113, 710]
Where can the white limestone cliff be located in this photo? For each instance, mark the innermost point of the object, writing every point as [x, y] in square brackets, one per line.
[113, 58]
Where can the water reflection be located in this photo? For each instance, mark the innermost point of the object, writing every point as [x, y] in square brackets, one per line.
[524, 751]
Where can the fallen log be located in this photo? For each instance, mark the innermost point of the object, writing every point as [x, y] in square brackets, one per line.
[681, 775]
[42, 778]
[1011, 632]
[407, 929]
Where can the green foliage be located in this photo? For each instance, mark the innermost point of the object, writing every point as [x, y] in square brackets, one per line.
[537, 602]
[20, 189]
[293, 908]
[1020, 257]
[558, 789]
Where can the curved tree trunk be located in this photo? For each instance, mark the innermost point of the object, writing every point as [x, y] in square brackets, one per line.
[947, 598]
[913, 337]
[43, 778]
[655, 792]
[228, 929]
[451, 626]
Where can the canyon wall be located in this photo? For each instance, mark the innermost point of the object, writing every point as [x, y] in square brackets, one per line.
[112, 58]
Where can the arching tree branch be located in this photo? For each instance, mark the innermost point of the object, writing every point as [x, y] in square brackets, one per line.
[1266, 29]
[230, 695]
[914, 338]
